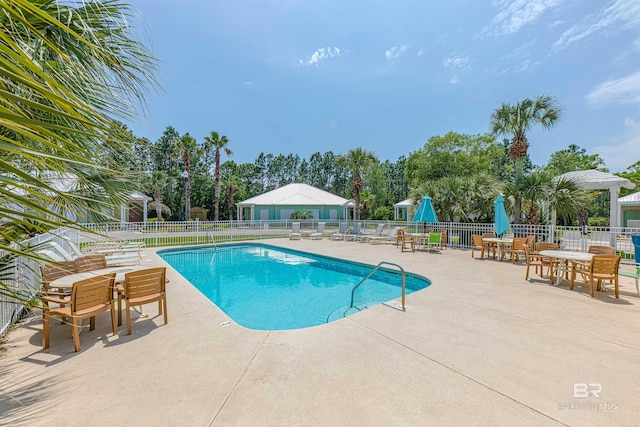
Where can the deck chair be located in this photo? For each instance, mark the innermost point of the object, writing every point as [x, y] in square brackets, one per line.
[89, 297]
[51, 272]
[354, 234]
[635, 276]
[601, 268]
[376, 236]
[435, 241]
[90, 262]
[317, 235]
[143, 287]
[406, 241]
[342, 230]
[295, 231]
[60, 250]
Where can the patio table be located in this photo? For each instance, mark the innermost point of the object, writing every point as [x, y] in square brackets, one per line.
[68, 281]
[502, 244]
[563, 267]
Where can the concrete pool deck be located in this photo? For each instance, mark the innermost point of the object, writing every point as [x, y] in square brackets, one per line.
[480, 346]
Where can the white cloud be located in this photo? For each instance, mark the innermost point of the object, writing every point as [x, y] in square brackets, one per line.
[515, 14]
[248, 83]
[456, 61]
[396, 51]
[454, 80]
[421, 52]
[322, 54]
[526, 65]
[620, 14]
[625, 90]
[619, 151]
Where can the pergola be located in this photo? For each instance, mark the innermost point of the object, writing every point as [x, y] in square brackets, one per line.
[595, 180]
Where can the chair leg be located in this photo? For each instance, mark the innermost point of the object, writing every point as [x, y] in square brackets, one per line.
[119, 310]
[615, 283]
[113, 319]
[526, 275]
[573, 277]
[128, 308]
[166, 318]
[159, 306]
[75, 325]
[46, 318]
[591, 287]
[92, 323]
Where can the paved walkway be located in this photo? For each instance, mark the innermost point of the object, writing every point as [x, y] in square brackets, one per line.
[480, 346]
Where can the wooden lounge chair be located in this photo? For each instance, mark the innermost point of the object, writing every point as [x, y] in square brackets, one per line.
[89, 297]
[143, 287]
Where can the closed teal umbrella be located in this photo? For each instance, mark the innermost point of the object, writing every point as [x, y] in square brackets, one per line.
[500, 220]
[425, 212]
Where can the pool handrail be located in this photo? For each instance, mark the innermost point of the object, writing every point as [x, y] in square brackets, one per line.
[373, 270]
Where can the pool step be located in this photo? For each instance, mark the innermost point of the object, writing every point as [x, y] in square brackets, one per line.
[348, 310]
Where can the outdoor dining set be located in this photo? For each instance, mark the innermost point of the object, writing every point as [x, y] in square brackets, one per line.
[597, 265]
[86, 286]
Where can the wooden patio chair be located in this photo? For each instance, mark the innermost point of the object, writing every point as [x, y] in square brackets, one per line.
[143, 287]
[517, 248]
[601, 268]
[476, 243]
[51, 272]
[89, 297]
[406, 241]
[534, 260]
[490, 246]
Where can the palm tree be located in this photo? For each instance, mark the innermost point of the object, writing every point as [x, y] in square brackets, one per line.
[516, 120]
[62, 88]
[157, 183]
[233, 184]
[217, 143]
[187, 146]
[358, 160]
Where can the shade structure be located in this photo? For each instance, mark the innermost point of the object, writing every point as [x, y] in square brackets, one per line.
[500, 219]
[425, 212]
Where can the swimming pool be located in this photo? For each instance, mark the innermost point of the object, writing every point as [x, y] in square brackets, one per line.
[270, 288]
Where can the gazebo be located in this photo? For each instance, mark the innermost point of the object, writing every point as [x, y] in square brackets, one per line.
[595, 180]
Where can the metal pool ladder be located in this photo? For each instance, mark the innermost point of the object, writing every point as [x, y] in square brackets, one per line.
[376, 268]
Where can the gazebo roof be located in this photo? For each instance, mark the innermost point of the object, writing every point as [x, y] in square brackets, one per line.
[404, 203]
[595, 180]
[295, 194]
[631, 199]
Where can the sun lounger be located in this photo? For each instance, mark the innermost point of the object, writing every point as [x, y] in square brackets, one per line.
[295, 231]
[342, 230]
[319, 233]
[354, 234]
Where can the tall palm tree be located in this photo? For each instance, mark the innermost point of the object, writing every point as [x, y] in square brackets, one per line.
[516, 120]
[358, 160]
[62, 87]
[187, 146]
[233, 184]
[216, 142]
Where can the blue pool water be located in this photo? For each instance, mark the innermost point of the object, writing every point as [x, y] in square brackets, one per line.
[269, 288]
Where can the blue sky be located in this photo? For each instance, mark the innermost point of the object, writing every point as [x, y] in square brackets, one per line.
[304, 76]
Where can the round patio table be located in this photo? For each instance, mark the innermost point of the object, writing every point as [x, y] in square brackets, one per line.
[501, 242]
[566, 256]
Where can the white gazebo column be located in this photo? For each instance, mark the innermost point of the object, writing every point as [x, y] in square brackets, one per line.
[613, 204]
[123, 215]
[238, 213]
